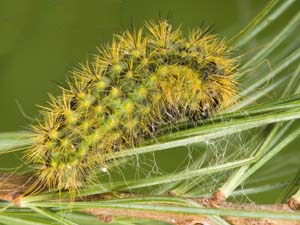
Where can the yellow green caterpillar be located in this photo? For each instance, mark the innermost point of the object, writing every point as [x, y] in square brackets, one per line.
[142, 80]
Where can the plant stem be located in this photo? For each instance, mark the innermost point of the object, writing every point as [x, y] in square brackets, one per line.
[257, 27]
[294, 201]
[245, 172]
[239, 175]
[174, 210]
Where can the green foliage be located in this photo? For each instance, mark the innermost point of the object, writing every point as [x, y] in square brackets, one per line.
[233, 148]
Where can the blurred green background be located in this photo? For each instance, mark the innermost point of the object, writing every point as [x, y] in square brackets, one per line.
[41, 40]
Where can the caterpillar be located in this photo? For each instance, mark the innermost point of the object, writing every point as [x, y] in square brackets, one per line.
[145, 78]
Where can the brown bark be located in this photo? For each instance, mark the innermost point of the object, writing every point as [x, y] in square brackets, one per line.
[13, 187]
[294, 203]
[182, 219]
[171, 218]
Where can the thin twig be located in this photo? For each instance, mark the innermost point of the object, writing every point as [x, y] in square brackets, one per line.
[12, 187]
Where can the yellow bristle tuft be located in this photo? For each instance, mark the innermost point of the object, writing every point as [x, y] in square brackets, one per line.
[145, 78]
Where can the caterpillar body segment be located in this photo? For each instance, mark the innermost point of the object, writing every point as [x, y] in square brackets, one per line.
[142, 80]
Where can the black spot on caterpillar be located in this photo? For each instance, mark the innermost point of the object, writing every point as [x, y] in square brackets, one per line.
[142, 80]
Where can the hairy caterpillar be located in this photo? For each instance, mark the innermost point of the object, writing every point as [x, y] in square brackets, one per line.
[141, 81]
